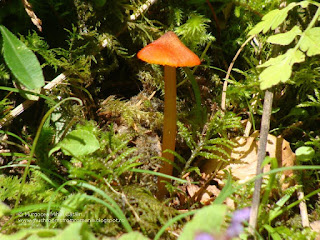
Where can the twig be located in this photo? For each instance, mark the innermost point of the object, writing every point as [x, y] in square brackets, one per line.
[303, 207]
[264, 131]
[225, 84]
[35, 20]
[28, 103]
[141, 9]
[124, 197]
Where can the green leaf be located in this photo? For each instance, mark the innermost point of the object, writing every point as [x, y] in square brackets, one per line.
[77, 143]
[279, 69]
[304, 4]
[304, 153]
[310, 41]
[285, 38]
[272, 232]
[227, 190]
[21, 60]
[274, 74]
[208, 219]
[290, 57]
[272, 20]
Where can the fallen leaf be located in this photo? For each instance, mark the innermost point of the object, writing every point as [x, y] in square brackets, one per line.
[315, 226]
[244, 155]
[207, 195]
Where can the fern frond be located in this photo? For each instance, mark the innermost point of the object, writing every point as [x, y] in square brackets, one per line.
[208, 155]
[314, 101]
[122, 157]
[186, 135]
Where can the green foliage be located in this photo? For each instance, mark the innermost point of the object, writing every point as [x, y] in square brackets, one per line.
[216, 214]
[304, 153]
[118, 154]
[76, 231]
[22, 61]
[213, 142]
[132, 114]
[194, 32]
[152, 214]
[313, 101]
[77, 143]
[9, 187]
[282, 232]
[5, 106]
[279, 69]
[37, 190]
[4, 75]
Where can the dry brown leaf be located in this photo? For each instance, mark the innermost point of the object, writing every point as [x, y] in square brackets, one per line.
[315, 226]
[244, 155]
[207, 196]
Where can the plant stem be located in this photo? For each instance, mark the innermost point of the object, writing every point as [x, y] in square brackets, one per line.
[264, 131]
[225, 84]
[169, 126]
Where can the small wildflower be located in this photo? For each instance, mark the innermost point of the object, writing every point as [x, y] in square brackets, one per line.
[204, 236]
[241, 215]
[238, 218]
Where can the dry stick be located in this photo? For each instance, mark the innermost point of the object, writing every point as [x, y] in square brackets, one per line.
[303, 208]
[225, 84]
[264, 131]
[28, 103]
[35, 20]
[142, 9]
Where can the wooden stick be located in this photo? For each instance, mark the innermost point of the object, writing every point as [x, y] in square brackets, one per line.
[141, 10]
[264, 131]
[28, 103]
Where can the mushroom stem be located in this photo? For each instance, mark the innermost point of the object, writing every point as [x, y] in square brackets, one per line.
[169, 125]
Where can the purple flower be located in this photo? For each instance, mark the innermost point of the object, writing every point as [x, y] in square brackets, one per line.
[241, 215]
[203, 236]
[238, 218]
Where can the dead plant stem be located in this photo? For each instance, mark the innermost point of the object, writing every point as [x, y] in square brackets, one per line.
[225, 84]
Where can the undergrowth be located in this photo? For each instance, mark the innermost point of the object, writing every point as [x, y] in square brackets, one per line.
[62, 162]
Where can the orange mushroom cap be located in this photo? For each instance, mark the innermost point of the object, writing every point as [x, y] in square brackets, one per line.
[169, 50]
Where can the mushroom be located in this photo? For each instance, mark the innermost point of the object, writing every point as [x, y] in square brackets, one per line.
[169, 51]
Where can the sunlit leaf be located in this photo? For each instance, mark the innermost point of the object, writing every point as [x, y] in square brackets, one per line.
[21, 60]
[274, 74]
[272, 20]
[304, 4]
[207, 219]
[285, 38]
[279, 69]
[310, 41]
[77, 143]
[305, 153]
